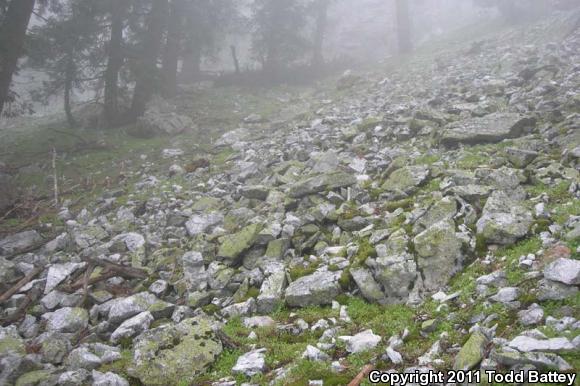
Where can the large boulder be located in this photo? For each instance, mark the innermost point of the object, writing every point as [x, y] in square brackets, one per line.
[161, 118]
[233, 246]
[563, 270]
[439, 254]
[321, 183]
[175, 353]
[395, 268]
[369, 288]
[488, 129]
[125, 308]
[67, 319]
[406, 180]
[504, 221]
[19, 242]
[272, 291]
[317, 289]
[472, 352]
[233, 137]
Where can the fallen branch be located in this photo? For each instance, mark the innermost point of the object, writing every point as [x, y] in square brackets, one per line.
[361, 376]
[25, 280]
[31, 297]
[86, 278]
[121, 270]
[81, 282]
[33, 247]
[110, 270]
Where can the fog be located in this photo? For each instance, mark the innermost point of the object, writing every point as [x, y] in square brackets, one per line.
[289, 192]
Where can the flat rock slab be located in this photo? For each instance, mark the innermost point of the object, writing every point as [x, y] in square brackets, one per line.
[488, 129]
[316, 289]
[563, 270]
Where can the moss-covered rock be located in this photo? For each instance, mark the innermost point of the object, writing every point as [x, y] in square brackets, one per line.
[233, 246]
[175, 354]
[472, 352]
[406, 180]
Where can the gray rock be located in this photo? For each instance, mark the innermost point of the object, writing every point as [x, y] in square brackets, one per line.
[259, 321]
[439, 254]
[394, 356]
[82, 358]
[159, 287]
[251, 363]
[321, 183]
[543, 361]
[232, 246]
[564, 270]
[160, 119]
[19, 242]
[233, 137]
[132, 327]
[74, 377]
[503, 221]
[54, 346]
[314, 354]
[533, 315]
[367, 285]
[317, 289]
[108, 379]
[200, 223]
[496, 279]
[488, 129]
[57, 273]
[123, 309]
[395, 268]
[527, 344]
[444, 209]
[506, 295]
[67, 319]
[8, 272]
[406, 180]
[520, 158]
[194, 271]
[272, 291]
[257, 192]
[326, 162]
[472, 352]
[174, 353]
[553, 290]
[240, 309]
[363, 341]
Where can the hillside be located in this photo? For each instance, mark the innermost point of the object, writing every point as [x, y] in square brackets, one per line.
[421, 215]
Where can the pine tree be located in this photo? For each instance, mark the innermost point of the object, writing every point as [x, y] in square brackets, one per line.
[66, 47]
[278, 33]
[16, 16]
[147, 73]
[117, 11]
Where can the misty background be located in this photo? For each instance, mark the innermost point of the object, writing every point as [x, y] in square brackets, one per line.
[355, 33]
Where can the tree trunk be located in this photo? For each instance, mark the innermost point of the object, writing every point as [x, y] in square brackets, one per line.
[192, 64]
[12, 34]
[235, 59]
[172, 49]
[147, 73]
[403, 27]
[115, 62]
[321, 22]
[68, 87]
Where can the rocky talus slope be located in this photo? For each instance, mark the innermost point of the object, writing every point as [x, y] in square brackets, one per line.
[426, 217]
